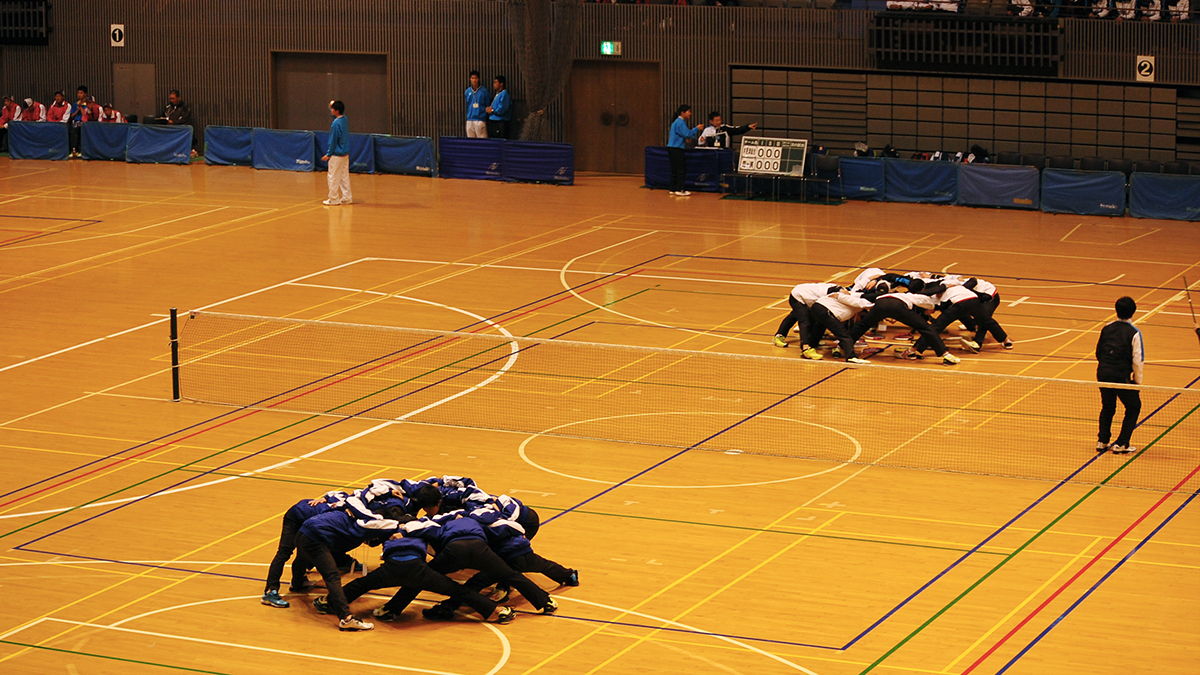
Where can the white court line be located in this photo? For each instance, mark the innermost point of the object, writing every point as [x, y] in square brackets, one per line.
[1018, 301]
[102, 235]
[512, 359]
[1093, 283]
[235, 645]
[153, 323]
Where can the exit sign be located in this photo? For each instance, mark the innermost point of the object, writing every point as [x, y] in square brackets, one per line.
[610, 48]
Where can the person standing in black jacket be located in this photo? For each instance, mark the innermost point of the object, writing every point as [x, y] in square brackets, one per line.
[718, 135]
[1119, 358]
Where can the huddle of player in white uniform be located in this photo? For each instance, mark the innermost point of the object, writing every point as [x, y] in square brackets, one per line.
[910, 299]
[465, 527]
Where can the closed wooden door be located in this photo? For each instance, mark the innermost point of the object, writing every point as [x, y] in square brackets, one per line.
[614, 112]
[305, 83]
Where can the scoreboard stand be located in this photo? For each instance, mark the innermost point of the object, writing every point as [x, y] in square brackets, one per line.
[777, 162]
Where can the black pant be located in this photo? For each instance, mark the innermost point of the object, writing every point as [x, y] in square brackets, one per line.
[416, 575]
[988, 306]
[968, 311]
[530, 563]
[529, 520]
[678, 168]
[1132, 400]
[287, 544]
[318, 555]
[473, 554]
[823, 320]
[895, 308]
[798, 316]
[3, 140]
[73, 137]
[497, 128]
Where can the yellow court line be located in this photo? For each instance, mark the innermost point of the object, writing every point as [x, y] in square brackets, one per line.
[712, 595]
[1029, 598]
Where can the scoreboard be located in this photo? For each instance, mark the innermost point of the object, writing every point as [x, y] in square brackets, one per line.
[772, 156]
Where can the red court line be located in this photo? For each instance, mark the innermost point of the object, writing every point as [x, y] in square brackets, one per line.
[25, 236]
[1080, 573]
[291, 398]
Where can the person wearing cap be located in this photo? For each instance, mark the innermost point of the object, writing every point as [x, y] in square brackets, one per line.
[111, 115]
[338, 156]
[500, 110]
[59, 110]
[33, 112]
[8, 113]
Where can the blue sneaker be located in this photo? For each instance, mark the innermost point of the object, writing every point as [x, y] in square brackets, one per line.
[573, 580]
[272, 599]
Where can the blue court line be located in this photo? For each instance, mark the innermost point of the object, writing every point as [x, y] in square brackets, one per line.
[69, 220]
[1096, 585]
[262, 401]
[691, 447]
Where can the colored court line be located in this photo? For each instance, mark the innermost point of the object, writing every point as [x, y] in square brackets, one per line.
[691, 447]
[111, 658]
[1075, 577]
[1008, 558]
[1096, 585]
[40, 234]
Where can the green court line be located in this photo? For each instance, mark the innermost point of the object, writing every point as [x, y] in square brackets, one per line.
[257, 438]
[1008, 558]
[112, 658]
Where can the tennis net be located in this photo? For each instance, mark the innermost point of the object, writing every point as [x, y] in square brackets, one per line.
[894, 416]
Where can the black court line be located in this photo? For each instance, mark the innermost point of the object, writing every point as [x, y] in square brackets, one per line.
[82, 223]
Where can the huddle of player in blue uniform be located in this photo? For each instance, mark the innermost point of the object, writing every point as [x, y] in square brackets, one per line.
[465, 527]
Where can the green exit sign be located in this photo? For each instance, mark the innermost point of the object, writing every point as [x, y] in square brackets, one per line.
[610, 48]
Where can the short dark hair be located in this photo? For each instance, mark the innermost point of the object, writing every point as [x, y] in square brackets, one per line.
[473, 73]
[500, 79]
[338, 106]
[427, 496]
[59, 93]
[173, 91]
[82, 88]
[397, 513]
[713, 115]
[1125, 308]
[682, 109]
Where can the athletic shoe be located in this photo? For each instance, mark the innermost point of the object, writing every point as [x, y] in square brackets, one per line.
[810, 353]
[308, 586]
[685, 193]
[505, 615]
[500, 594]
[346, 201]
[972, 346]
[272, 599]
[860, 344]
[778, 341]
[321, 604]
[908, 354]
[1008, 344]
[857, 361]
[550, 607]
[438, 612]
[384, 614]
[949, 359]
[837, 352]
[329, 202]
[354, 623]
[1123, 449]
[1101, 446]
[573, 580]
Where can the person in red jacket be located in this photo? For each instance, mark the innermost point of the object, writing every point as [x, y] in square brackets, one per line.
[59, 110]
[109, 114]
[33, 112]
[10, 112]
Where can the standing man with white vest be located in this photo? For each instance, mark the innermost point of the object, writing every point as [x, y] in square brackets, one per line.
[338, 156]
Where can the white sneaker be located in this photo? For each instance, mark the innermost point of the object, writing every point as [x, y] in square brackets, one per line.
[354, 623]
[972, 346]
[346, 201]
[857, 361]
[1123, 449]
[330, 202]
[949, 359]
[685, 193]
[1101, 446]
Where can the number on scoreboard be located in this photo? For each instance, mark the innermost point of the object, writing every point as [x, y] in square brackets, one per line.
[776, 156]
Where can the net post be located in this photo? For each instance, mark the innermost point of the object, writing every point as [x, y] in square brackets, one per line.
[174, 355]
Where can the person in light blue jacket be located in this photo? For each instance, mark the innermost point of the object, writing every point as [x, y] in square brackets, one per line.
[338, 157]
[478, 100]
[677, 140]
[500, 111]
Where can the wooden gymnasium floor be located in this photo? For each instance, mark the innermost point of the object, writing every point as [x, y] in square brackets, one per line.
[855, 570]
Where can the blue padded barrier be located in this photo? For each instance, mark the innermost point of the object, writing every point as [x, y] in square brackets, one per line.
[104, 140]
[1153, 195]
[704, 168]
[538, 162]
[229, 146]
[472, 158]
[283, 150]
[362, 152]
[908, 180]
[38, 140]
[1089, 193]
[159, 144]
[1010, 187]
[862, 178]
[411, 156]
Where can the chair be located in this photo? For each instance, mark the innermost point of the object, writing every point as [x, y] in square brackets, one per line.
[829, 167]
[1092, 164]
[1010, 158]
[1061, 162]
[1176, 168]
[1036, 161]
[1148, 166]
[1125, 166]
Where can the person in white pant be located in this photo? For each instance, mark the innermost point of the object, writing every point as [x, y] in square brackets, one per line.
[338, 156]
[478, 99]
